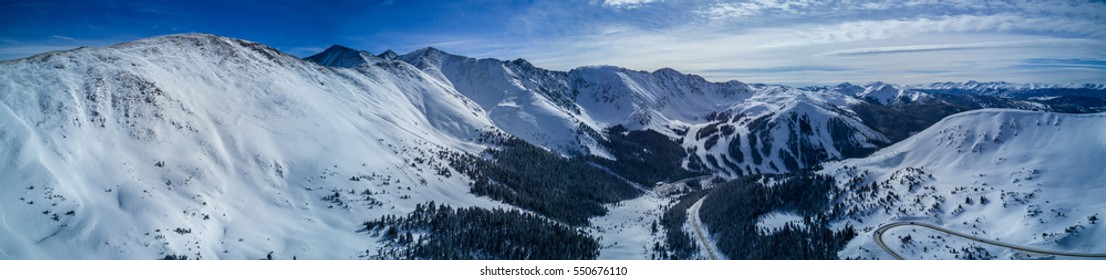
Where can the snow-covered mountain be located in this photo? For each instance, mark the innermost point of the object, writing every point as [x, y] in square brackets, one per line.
[531, 103]
[1029, 178]
[1013, 90]
[1000, 86]
[781, 129]
[209, 147]
[719, 124]
[888, 94]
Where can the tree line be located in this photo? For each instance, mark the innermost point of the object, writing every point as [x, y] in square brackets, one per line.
[570, 190]
[731, 211]
[442, 232]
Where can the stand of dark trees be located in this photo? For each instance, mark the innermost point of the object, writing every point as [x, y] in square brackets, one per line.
[643, 156]
[570, 190]
[445, 233]
[679, 244]
[731, 209]
[899, 121]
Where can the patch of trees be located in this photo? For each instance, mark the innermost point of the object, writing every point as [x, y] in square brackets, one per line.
[803, 154]
[678, 243]
[570, 190]
[442, 232]
[175, 257]
[902, 120]
[1076, 104]
[643, 156]
[843, 140]
[898, 122]
[731, 211]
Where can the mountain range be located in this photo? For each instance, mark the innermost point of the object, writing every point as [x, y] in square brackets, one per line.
[206, 147]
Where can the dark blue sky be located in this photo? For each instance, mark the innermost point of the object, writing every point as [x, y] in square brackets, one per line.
[297, 27]
[773, 41]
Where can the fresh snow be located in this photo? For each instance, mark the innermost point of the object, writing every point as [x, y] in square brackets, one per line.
[110, 150]
[1041, 173]
[777, 220]
[625, 233]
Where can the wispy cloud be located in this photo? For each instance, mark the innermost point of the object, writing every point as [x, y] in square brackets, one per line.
[625, 4]
[869, 30]
[737, 10]
[66, 38]
[957, 46]
[1078, 63]
[781, 69]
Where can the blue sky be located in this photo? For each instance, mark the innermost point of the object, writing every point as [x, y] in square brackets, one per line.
[771, 41]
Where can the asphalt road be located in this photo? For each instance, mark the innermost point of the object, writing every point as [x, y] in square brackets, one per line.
[878, 235]
[699, 229]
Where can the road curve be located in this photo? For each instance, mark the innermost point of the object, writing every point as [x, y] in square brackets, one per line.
[699, 229]
[878, 235]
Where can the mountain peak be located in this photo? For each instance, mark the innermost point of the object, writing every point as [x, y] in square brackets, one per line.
[667, 71]
[342, 56]
[427, 57]
[339, 48]
[388, 55]
[522, 62]
[427, 51]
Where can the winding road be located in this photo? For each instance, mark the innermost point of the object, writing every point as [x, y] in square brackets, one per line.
[878, 235]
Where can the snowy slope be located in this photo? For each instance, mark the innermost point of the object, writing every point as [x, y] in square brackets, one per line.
[528, 102]
[658, 100]
[1021, 177]
[216, 148]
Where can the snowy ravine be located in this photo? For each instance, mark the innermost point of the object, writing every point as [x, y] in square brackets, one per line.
[1030, 178]
[217, 148]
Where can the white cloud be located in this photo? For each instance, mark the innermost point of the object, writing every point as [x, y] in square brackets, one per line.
[726, 10]
[741, 10]
[66, 38]
[870, 30]
[907, 57]
[626, 4]
[960, 46]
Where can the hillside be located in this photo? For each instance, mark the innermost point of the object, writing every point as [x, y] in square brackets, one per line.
[1030, 178]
